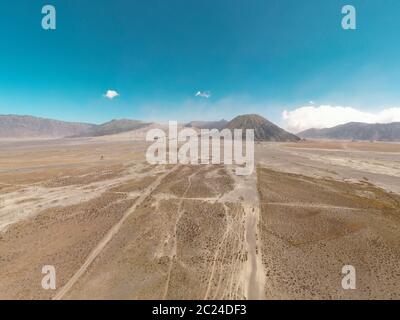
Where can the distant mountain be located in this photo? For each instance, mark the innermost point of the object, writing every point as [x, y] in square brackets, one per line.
[114, 127]
[24, 127]
[356, 131]
[207, 124]
[13, 126]
[264, 130]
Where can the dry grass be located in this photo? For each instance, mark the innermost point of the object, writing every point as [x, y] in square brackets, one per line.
[61, 236]
[200, 232]
[347, 145]
[311, 228]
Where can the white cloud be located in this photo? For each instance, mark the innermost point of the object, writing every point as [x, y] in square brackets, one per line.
[204, 94]
[329, 116]
[111, 94]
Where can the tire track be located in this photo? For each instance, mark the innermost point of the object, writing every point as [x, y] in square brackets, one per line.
[111, 233]
[175, 231]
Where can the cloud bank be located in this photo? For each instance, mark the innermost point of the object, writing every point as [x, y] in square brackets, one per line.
[111, 94]
[308, 117]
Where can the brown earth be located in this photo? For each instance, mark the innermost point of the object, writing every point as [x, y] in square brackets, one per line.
[116, 227]
[311, 228]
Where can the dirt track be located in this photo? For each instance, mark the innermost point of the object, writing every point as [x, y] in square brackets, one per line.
[114, 230]
[122, 229]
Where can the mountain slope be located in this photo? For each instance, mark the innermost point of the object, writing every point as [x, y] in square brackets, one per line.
[13, 126]
[207, 124]
[23, 127]
[356, 131]
[114, 127]
[264, 130]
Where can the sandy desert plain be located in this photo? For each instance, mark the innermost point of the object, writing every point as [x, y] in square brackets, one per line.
[115, 227]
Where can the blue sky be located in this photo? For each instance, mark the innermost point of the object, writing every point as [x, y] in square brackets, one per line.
[253, 56]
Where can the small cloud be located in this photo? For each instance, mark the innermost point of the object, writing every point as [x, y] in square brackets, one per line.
[204, 94]
[311, 102]
[111, 94]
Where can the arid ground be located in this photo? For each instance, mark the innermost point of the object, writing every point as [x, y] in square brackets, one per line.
[115, 227]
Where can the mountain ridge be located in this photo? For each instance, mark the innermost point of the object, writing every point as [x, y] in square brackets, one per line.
[17, 126]
[207, 124]
[356, 131]
[114, 126]
[25, 126]
[264, 130]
